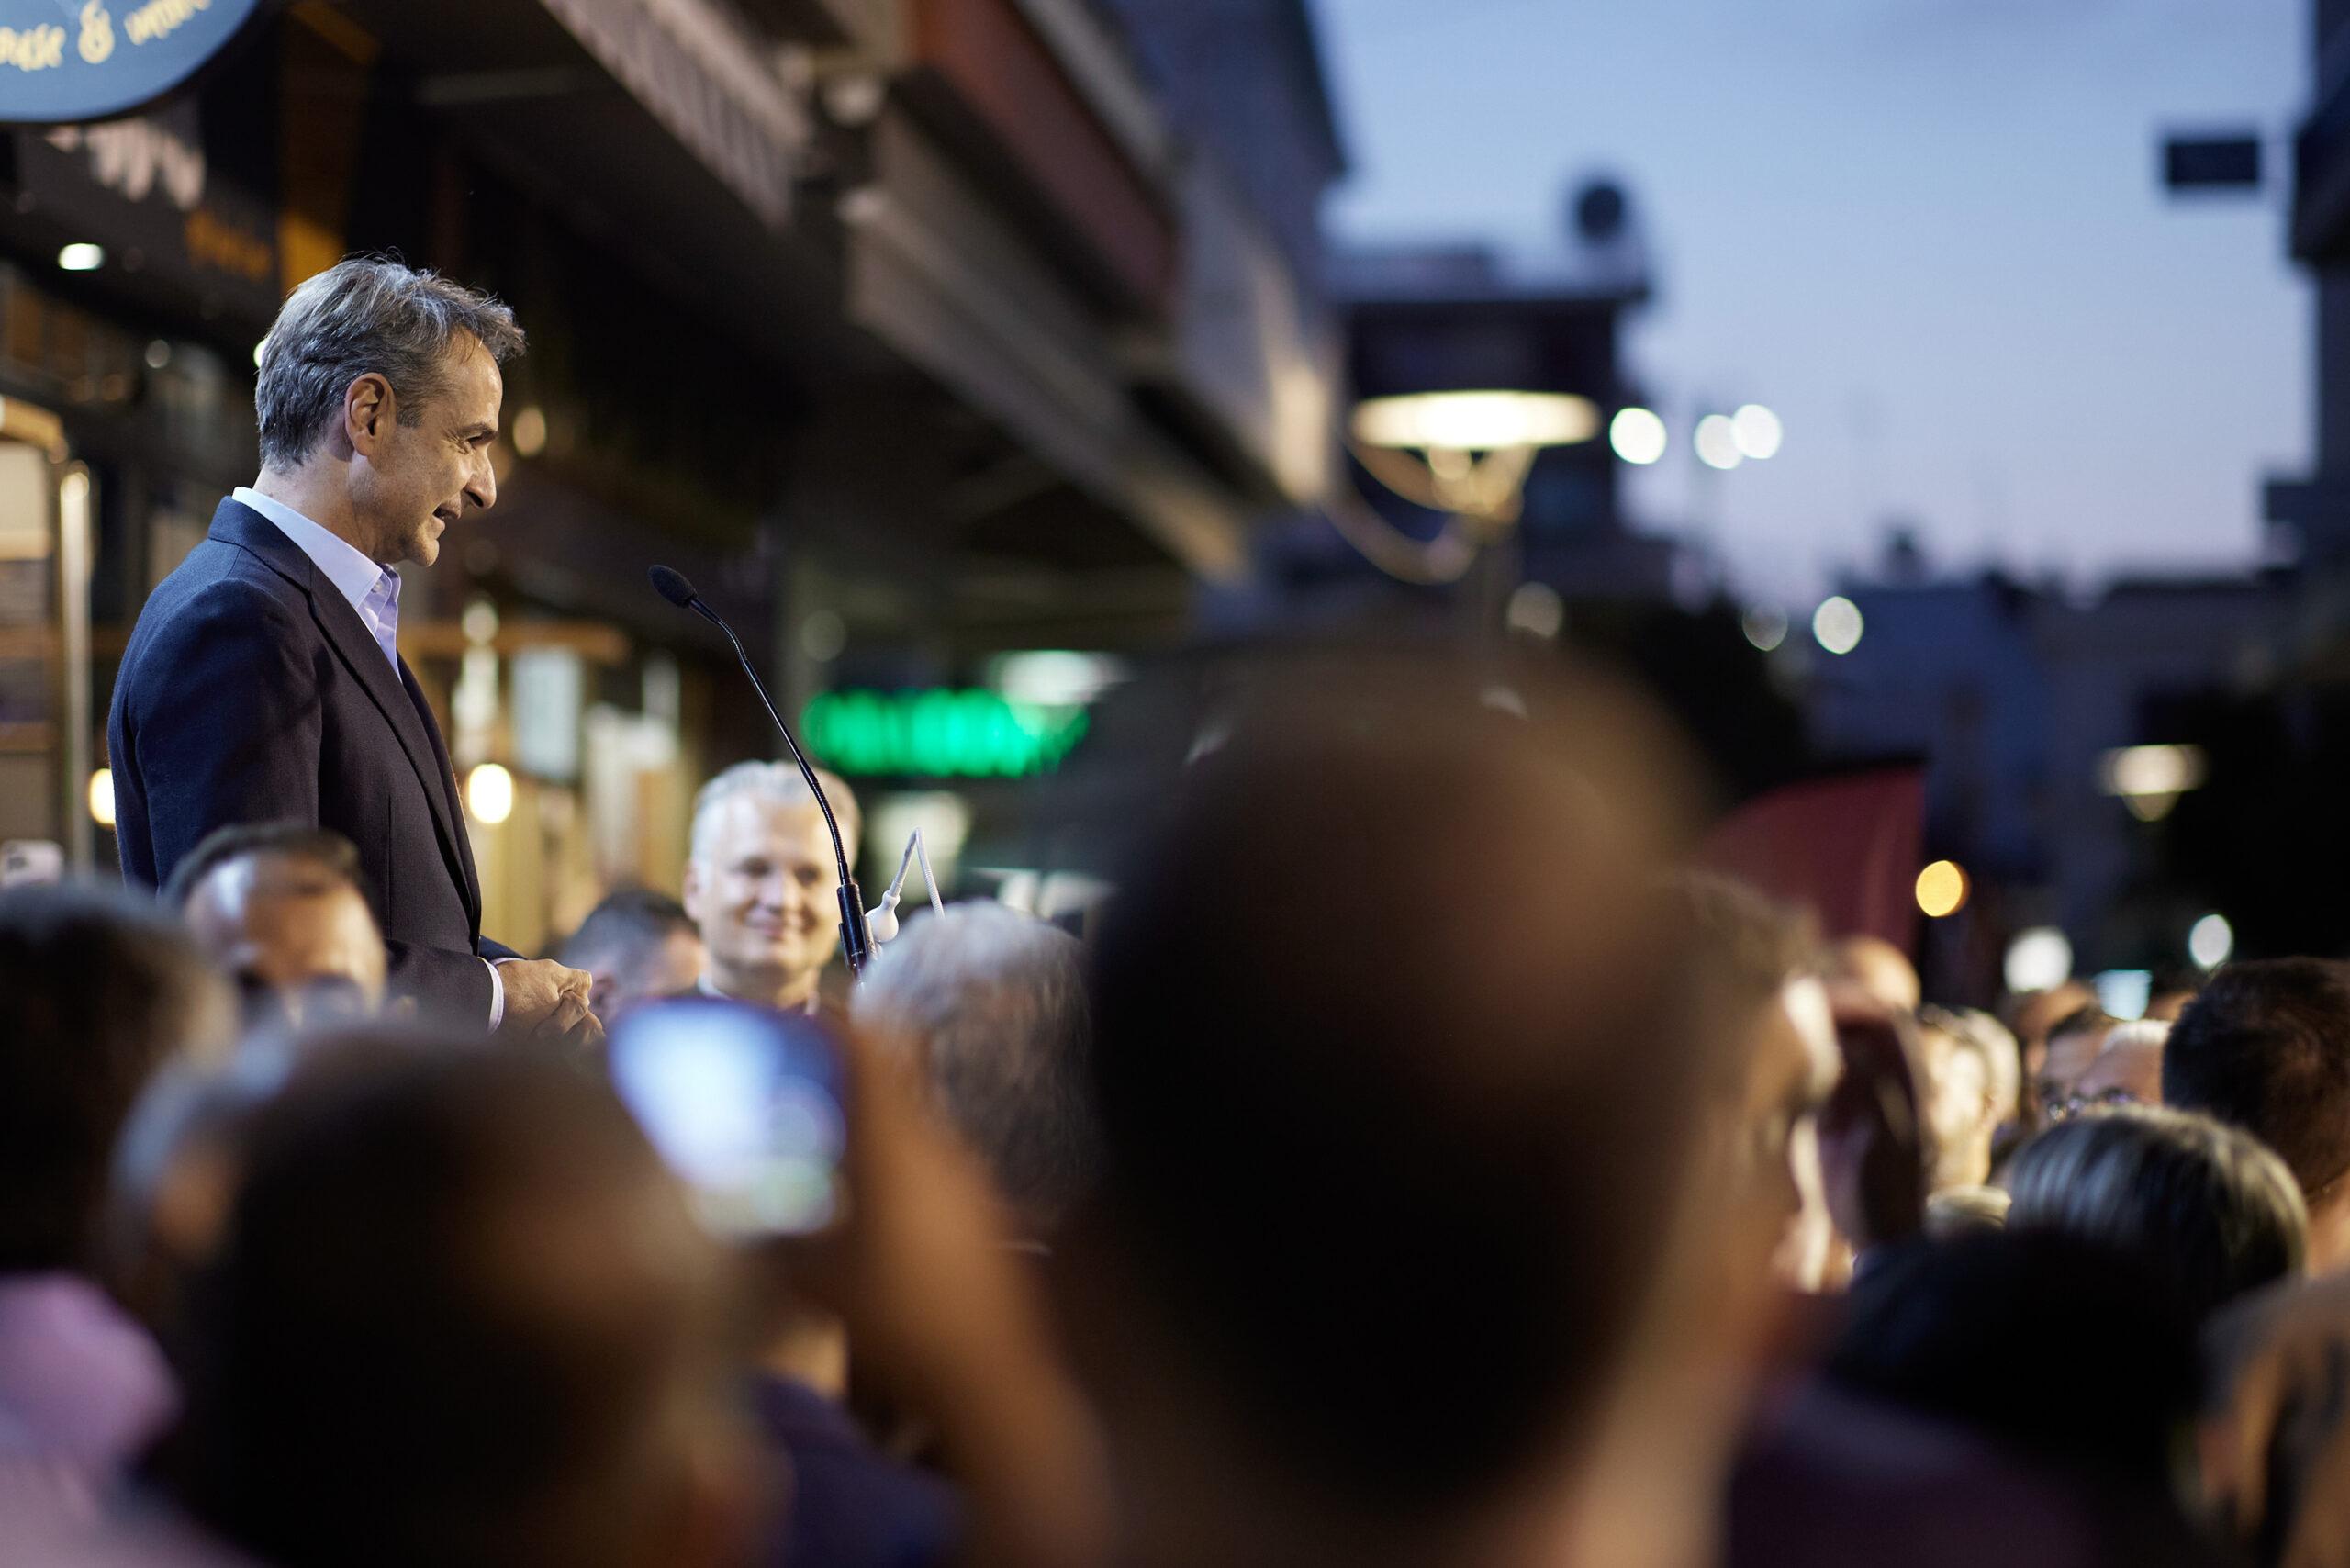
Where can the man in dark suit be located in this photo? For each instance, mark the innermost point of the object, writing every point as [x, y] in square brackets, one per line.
[262, 682]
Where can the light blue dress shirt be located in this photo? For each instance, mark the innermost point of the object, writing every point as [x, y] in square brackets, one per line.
[374, 590]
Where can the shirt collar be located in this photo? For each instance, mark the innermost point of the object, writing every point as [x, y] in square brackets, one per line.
[709, 987]
[346, 565]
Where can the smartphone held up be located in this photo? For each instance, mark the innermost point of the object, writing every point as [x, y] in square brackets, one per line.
[745, 1104]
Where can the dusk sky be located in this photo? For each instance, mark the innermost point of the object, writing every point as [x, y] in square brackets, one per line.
[1927, 232]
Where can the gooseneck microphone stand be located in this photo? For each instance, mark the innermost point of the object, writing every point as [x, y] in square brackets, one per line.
[857, 937]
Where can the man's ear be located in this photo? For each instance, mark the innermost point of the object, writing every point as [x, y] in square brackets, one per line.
[690, 891]
[369, 410]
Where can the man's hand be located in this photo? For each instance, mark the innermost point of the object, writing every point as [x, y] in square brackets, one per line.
[947, 1318]
[545, 1000]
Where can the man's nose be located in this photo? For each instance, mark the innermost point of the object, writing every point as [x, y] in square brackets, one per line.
[481, 488]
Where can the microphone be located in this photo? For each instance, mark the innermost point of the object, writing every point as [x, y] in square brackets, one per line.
[857, 937]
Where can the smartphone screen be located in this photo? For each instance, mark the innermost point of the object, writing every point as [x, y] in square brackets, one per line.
[744, 1103]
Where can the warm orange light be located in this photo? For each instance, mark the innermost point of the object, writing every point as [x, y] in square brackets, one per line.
[1941, 890]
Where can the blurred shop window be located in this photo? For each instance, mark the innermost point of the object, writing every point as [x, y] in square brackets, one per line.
[944, 820]
[635, 789]
[27, 644]
[26, 862]
[548, 688]
[73, 357]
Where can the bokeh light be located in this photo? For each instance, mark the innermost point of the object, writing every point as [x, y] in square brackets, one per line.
[102, 796]
[1764, 627]
[2037, 959]
[1837, 625]
[1536, 609]
[1716, 442]
[1758, 433]
[1941, 890]
[489, 794]
[2124, 993]
[2211, 940]
[1638, 435]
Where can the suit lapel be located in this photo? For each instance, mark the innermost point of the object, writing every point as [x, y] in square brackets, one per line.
[410, 718]
[447, 773]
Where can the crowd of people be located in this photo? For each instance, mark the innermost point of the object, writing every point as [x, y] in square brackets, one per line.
[1420, 1160]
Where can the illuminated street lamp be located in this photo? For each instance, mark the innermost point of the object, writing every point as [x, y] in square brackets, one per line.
[1476, 422]
[1466, 455]
[1473, 448]
[2151, 778]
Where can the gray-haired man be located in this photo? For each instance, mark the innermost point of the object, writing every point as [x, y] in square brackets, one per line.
[995, 1001]
[262, 682]
[761, 883]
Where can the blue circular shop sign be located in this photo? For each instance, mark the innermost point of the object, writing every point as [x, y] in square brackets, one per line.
[62, 61]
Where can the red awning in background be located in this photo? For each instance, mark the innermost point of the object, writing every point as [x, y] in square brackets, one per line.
[1848, 846]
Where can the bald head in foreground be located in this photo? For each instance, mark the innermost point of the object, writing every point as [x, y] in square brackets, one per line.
[460, 1316]
[1396, 1083]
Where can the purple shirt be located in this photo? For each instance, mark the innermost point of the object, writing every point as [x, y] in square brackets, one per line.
[82, 1388]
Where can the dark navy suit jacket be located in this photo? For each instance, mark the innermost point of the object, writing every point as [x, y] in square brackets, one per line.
[252, 692]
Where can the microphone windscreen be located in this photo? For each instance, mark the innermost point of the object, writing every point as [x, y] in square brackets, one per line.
[673, 586]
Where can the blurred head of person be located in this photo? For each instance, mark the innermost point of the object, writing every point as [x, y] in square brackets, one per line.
[99, 991]
[2075, 1042]
[1972, 1074]
[995, 1002]
[2203, 1205]
[2031, 1014]
[175, 1171]
[1431, 1097]
[2266, 1047]
[1959, 1331]
[2127, 1071]
[1877, 969]
[459, 1315]
[276, 907]
[760, 882]
[1876, 1147]
[1759, 961]
[639, 947]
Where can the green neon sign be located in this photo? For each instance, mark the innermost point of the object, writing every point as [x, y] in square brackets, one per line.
[940, 734]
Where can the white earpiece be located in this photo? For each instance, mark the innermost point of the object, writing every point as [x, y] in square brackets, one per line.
[882, 919]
